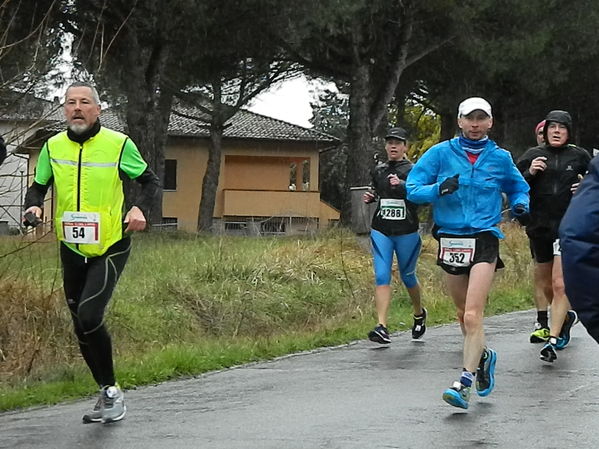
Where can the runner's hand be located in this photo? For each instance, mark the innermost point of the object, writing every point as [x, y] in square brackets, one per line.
[393, 179]
[538, 164]
[520, 212]
[135, 220]
[36, 211]
[574, 187]
[368, 197]
[449, 186]
[519, 209]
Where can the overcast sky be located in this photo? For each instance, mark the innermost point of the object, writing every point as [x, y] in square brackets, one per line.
[289, 101]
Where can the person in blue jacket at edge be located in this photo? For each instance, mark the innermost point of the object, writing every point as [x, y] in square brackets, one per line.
[464, 179]
[579, 241]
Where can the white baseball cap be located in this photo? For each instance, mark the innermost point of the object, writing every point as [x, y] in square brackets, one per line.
[473, 104]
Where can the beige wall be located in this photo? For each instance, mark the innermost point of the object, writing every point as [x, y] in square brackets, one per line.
[257, 173]
[184, 203]
[245, 165]
[270, 203]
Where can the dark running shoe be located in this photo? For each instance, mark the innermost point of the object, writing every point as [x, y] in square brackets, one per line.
[419, 326]
[564, 336]
[379, 335]
[548, 353]
[485, 373]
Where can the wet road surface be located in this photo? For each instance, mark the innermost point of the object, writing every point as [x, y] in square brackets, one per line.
[355, 396]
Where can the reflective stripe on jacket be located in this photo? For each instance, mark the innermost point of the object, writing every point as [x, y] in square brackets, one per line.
[86, 179]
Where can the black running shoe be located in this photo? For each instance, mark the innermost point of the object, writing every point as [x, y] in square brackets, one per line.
[379, 335]
[548, 353]
[419, 327]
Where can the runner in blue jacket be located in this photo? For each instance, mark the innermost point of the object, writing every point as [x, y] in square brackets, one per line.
[579, 241]
[464, 179]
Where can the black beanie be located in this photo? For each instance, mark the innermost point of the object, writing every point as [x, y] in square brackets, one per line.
[558, 116]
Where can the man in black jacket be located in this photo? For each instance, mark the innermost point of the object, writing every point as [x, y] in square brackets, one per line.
[543, 293]
[553, 171]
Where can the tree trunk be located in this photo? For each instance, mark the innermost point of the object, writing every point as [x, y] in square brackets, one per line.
[212, 174]
[148, 114]
[360, 156]
[448, 126]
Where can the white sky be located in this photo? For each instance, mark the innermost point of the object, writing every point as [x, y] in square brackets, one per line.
[290, 100]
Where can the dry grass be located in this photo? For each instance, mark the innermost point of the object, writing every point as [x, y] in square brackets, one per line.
[182, 290]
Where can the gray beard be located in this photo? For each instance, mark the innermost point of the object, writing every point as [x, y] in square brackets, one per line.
[78, 129]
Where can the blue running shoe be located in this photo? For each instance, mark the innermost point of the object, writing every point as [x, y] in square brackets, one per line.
[485, 373]
[457, 395]
[560, 343]
[564, 336]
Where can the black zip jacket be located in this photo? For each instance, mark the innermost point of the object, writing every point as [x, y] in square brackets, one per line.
[384, 190]
[550, 192]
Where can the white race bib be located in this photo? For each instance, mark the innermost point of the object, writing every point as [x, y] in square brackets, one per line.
[81, 227]
[557, 249]
[392, 209]
[457, 252]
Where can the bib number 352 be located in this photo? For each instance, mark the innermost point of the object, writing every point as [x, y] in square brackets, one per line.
[81, 227]
[457, 252]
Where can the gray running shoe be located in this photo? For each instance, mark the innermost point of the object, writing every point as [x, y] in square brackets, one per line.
[113, 404]
[96, 414]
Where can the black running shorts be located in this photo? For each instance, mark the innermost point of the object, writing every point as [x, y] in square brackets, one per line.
[457, 254]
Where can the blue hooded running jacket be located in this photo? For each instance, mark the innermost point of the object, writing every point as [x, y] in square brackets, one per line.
[476, 205]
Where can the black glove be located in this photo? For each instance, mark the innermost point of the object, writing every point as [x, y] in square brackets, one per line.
[30, 219]
[520, 212]
[519, 209]
[449, 186]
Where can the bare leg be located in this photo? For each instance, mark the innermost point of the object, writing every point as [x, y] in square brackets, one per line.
[458, 287]
[543, 290]
[415, 296]
[560, 304]
[382, 299]
[479, 285]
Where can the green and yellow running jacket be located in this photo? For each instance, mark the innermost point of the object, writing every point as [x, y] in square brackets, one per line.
[88, 187]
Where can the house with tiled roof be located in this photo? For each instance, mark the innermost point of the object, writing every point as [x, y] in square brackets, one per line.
[21, 114]
[268, 180]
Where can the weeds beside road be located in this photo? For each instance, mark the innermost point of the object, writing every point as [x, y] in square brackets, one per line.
[187, 304]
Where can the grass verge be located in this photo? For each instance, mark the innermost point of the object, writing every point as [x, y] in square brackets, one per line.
[187, 305]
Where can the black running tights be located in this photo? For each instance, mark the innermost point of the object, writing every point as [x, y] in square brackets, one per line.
[88, 286]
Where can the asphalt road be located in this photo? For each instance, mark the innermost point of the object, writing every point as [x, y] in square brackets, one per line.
[355, 396]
